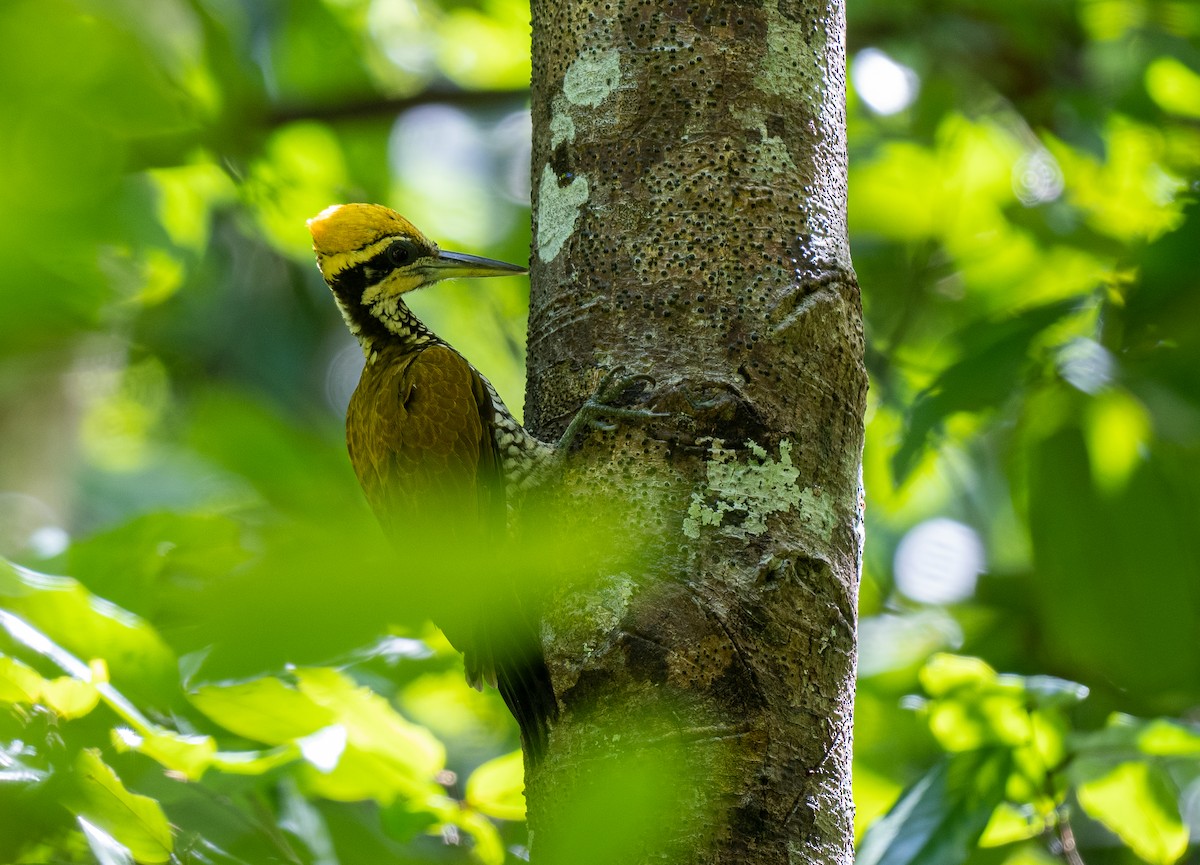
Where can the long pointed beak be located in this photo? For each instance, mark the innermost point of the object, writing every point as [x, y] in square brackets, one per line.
[449, 265]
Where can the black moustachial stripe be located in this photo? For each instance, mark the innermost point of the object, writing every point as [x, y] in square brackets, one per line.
[349, 284]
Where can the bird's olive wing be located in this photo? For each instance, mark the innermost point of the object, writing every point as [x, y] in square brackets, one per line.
[419, 434]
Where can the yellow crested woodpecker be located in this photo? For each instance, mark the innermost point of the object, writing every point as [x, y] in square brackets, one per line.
[427, 433]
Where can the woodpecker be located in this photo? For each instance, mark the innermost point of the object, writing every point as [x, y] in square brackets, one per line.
[432, 443]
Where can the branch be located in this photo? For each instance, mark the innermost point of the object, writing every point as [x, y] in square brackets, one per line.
[365, 109]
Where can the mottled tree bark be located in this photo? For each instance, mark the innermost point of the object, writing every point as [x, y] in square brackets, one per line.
[689, 171]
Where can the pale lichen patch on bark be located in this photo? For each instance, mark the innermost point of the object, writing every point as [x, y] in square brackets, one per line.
[562, 127]
[772, 154]
[789, 56]
[749, 490]
[592, 77]
[558, 211]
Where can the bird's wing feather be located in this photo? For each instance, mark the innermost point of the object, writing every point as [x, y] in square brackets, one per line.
[427, 463]
[420, 443]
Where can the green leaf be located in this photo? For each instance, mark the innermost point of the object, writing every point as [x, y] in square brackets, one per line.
[1138, 802]
[264, 710]
[19, 683]
[188, 755]
[1163, 737]
[380, 754]
[371, 723]
[84, 624]
[66, 695]
[107, 849]
[1126, 735]
[945, 673]
[938, 820]
[403, 823]
[70, 697]
[1086, 544]
[973, 707]
[995, 352]
[1010, 824]
[97, 795]
[497, 788]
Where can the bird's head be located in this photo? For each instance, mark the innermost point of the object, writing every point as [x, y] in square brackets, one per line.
[370, 255]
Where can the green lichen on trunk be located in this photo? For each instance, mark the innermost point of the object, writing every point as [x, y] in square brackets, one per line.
[751, 490]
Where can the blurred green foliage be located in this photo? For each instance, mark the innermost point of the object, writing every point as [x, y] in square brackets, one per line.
[232, 672]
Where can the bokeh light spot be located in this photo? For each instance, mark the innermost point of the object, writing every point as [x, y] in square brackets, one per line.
[938, 562]
[887, 87]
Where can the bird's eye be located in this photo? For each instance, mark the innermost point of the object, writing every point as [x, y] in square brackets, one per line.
[401, 252]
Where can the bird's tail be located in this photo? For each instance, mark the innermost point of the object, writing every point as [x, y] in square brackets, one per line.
[515, 665]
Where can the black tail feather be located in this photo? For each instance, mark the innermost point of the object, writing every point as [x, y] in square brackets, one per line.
[524, 682]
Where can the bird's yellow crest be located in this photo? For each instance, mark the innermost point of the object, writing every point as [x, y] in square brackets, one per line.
[343, 228]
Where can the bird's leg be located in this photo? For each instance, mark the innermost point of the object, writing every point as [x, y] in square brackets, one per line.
[598, 406]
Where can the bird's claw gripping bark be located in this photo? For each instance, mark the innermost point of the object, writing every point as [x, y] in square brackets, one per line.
[599, 405]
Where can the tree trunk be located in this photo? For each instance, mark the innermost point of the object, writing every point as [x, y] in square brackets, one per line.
[689, 174]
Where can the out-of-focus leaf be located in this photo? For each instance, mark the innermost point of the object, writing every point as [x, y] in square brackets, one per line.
[1053, 691]
[973, 707]
[403, 822]
[1126, 195]
[70, 697]
[497, 788]
[188, 755]
[19, 683]
[1138, 802]
[301, 819]
[990, 370]
[1086, 545]
[97, 795]
[64, 611]
[938, 820]
[385, 755]
[1124, 735]
[1010, 824]
[107, 849]
[135, 563]
[1174, 86]
[1163, 737]
[264, 710]
[489, 848]
[945, 673]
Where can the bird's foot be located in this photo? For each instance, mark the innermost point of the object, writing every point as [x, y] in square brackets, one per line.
[598, 409]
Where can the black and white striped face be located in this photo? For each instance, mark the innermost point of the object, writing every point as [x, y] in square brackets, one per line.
[370, 256]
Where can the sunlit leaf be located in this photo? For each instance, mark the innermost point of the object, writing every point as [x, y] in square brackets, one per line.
[137, 822]
[497, 788]
[1163, 737]
[945, 673]
[373, 726]
[1140, 804]
[190, 756]
[65, 612]
[107, 849]
[19, 683]
[1174, 86]
[1010, 824]
[356, 746]
[70, 697]
[995, 353]
[489, 847]
[263, 710]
